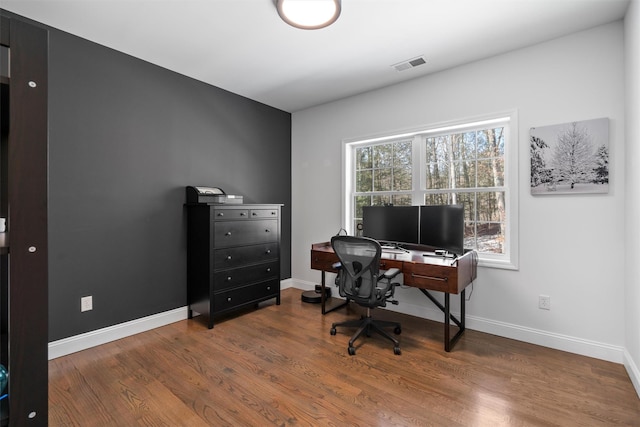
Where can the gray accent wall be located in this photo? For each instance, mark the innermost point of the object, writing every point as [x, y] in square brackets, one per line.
[125, 138]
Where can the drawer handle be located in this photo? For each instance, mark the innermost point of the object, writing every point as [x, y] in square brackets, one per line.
[243, 214]
[267, 230]
[268, 251]
[220, 213]
[254, 214]
[269, 270]
[229, 278]
[228, 233]
[273, 213]
[441, 279]
[228, 299]
[268, 288]
[229, 257]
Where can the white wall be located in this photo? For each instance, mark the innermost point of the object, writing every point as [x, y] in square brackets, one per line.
[632, 208]
[571, 247]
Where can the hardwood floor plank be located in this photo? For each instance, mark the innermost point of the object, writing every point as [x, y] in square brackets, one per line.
[278, 365]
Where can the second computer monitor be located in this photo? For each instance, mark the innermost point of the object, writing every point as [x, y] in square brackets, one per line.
[442, 227]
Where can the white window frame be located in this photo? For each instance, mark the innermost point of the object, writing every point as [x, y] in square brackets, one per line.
[507, 260]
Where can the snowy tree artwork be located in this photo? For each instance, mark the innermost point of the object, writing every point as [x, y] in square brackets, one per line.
[571, 158]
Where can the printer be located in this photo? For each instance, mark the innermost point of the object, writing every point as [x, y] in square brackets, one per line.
[208, 195]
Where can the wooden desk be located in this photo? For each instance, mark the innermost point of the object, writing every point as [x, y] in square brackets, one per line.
[426, 273]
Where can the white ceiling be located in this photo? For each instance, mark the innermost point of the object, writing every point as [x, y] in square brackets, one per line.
[243, 46]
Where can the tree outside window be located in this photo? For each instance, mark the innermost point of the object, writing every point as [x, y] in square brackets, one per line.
[468, 164]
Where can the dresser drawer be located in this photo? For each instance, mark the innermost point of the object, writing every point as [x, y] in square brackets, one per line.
[238, 256]
[235, 277]
[263, 213]
[233, 298]
[236, 233]
[230, 214]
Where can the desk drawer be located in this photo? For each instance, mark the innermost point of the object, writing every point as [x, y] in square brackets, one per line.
[386, 264]
[432, 277]
[323, 261]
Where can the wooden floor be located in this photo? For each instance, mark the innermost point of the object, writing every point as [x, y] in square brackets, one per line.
[279, 366]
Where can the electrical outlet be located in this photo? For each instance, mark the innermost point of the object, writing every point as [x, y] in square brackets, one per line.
[544, 302]
[86, 303]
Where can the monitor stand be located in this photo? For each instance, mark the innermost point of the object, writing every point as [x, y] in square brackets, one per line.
[393, 248]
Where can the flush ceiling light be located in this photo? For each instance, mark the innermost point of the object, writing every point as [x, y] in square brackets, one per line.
[309, 14]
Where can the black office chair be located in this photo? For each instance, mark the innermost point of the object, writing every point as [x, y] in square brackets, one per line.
[360, 279]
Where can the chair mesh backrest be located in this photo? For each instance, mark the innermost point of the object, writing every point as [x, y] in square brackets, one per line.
[358, 276]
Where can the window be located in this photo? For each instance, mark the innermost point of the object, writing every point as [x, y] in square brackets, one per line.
[472, 162]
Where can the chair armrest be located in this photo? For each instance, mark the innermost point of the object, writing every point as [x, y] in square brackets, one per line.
[337, 265]
[391, 273]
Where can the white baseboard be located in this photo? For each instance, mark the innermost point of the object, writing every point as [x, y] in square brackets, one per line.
[547, 339]
[633, 371]
[556, 341]
[584, 347]
[102, 336]
[286, 284]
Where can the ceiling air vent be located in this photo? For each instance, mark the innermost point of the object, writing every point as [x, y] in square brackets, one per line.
[410, 63]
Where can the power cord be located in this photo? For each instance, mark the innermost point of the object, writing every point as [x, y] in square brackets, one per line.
[475, 268]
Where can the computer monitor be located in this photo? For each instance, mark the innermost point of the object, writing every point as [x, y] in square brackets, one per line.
[442, 227]
[391, 224]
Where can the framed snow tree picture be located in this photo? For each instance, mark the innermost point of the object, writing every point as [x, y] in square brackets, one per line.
[571, 158]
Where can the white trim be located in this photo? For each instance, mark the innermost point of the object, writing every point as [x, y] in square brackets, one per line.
[510, 259]
[111, 333]
[589, 348]
[598, 350]
[346, 203]
[567, 343]
[286, 284]
[304, 285]
[632, 370]
[539, 337]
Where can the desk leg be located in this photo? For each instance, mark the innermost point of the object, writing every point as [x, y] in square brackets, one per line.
[462, 315]
[323, 294]
[448, 341]
[447, 324]
[323, 297]
[448, 344]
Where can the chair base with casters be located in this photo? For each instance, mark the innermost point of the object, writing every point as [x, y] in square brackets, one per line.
[366, 325]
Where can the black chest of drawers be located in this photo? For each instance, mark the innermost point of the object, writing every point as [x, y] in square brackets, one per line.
[233, 257]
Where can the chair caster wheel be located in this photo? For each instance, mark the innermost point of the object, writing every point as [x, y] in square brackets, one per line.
[352, 351]
[333, 331]
[397, 330]
[396, 350]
